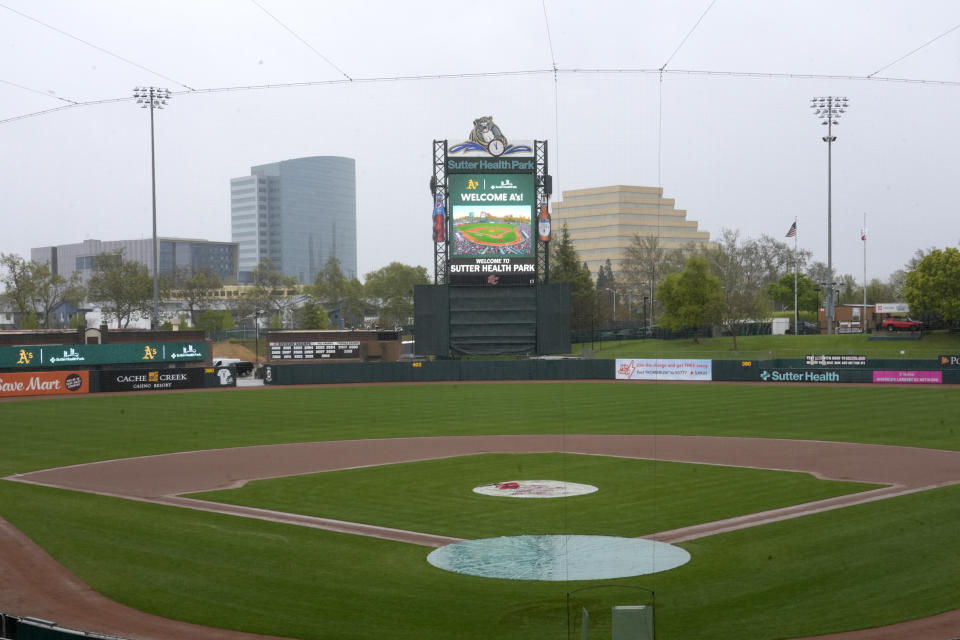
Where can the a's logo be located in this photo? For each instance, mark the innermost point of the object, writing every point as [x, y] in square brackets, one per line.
[25, 356]
[472, 184]
[148, 353]
[764, 375]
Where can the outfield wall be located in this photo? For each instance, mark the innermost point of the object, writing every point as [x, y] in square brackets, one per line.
[774, 371]
[25, 628]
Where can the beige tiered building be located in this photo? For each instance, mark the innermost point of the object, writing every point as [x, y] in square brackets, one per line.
[602, 222]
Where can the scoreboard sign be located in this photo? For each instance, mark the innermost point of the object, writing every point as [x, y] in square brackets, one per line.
[491, 227]
[491, 209]
[321, 350]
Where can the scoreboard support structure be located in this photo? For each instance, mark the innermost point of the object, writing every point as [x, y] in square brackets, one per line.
[491, 233]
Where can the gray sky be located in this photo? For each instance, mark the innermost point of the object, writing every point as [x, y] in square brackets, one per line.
[737, 149]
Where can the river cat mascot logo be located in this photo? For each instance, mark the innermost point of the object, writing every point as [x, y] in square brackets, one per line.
[486, 136]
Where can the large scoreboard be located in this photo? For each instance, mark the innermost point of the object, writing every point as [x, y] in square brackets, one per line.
[487, 211]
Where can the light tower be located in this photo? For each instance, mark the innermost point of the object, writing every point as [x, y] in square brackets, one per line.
[828, 110]
[153, 98]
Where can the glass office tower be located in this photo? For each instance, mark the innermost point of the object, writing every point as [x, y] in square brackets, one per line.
[298, 213]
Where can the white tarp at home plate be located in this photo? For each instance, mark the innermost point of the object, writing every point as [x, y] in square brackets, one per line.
[664, 369]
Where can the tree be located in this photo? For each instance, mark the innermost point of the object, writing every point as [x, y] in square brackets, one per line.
[33, 290]
[336, 291]
[272, 292]
[933, 286]
[391, 289]
[646, 263]
[850, 291]
[565, 266]
[692, 298]
[124, 289]
[197, 291]
[768, 258]
[818, 273]
[781, 292]
[311, 315]
[743, 279]
[212, 320]
[606, 294]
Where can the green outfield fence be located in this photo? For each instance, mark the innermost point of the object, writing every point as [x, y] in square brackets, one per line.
[779, 370]
[26, 628]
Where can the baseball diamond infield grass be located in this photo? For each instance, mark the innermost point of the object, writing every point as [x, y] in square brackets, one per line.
[635, 497]
[861, 566]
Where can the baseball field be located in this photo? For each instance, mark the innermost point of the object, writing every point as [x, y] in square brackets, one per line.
[865, 564]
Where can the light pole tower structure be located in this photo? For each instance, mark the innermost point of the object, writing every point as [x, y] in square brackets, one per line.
[828, 110]
[153, 98]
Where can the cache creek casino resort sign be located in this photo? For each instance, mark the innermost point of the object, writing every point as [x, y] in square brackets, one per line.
[489, 219]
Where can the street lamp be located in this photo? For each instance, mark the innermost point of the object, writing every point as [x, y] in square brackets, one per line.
[828, 110]
[153, 98]
[256, 324]
[614, 292]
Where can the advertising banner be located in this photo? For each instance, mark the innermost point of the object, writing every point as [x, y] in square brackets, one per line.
[63, 355]
[836, 360]
[156, 379]
[949, 361]
[36, 383]
[891, 307]
[664, 369]
[491, 228]
[796, 375]
[908, 377]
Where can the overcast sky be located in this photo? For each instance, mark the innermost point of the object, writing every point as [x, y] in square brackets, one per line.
[738, 148]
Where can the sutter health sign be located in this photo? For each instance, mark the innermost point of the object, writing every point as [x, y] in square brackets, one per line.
[813, 375]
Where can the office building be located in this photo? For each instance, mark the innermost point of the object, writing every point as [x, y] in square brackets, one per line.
[180, 256]
[298, 213]
[602, 222]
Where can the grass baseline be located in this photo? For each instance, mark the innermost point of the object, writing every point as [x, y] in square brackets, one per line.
[768, 579]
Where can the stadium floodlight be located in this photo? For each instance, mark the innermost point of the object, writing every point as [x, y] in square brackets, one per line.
[153, 98]
[828, 110]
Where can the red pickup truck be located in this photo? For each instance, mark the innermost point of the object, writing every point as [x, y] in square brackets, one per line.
[901, 324]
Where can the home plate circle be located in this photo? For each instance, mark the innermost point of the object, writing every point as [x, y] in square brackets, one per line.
[535, 489]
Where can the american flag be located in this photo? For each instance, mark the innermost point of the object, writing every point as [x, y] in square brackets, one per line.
[792, 231]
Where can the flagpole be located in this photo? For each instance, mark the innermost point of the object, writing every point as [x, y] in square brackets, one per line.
[864, 238]
[796, 308]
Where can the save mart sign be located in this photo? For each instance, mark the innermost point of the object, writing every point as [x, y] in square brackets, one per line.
[73, 355]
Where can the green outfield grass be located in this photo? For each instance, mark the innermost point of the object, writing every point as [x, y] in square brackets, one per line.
[931, 345]
[634, 497]
[861, 566]
[493, 233]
